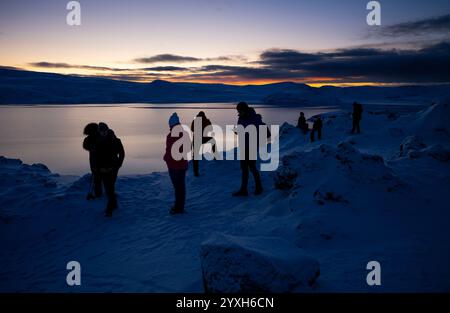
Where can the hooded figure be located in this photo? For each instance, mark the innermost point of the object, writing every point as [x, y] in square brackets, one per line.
[302, 123]
[205, 122]
[177, 168]
[109, 156]
[248, 116]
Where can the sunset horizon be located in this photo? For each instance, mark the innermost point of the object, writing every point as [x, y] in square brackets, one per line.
[299, 42]
[223, 155]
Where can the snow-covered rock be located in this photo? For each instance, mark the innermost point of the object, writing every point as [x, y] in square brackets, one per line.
[343, 162]
[411, 146]
[255, 264]
[438, 152]
[434, 119]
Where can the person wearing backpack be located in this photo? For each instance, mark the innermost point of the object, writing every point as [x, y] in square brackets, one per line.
[205, 122]
[177, 168]
[109, 157]
[302, 123]
[248, 116]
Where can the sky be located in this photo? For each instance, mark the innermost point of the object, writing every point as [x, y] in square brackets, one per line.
[232, 41]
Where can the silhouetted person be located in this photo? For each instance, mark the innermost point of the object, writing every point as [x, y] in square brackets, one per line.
[302, 124]
[205, 139]
[177, 168]
[109, 156]
[317, 127]
[248, 116]
[357, 115]
[89, 142]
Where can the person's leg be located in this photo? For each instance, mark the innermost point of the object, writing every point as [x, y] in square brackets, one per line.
[358, 129]
[109, 183]
[172, 176]
[312, 135]
[97, 178]
[319, 133]
[355, 121]
[181, 192]
[244, 179]
[195, 162]
[213, 143]
[195, 166]
[256, 176]
[179, 185]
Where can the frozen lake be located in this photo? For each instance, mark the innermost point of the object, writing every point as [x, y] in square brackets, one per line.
[52, 134]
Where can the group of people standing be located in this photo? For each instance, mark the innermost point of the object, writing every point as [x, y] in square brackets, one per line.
[177, 168]
[318, 123]
[304, 127]
[106, 156]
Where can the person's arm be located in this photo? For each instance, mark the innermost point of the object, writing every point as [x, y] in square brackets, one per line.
[86, 144]
[120, 152]
[168, 148]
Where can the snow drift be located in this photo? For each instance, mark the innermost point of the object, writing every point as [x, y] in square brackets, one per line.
[340, 202]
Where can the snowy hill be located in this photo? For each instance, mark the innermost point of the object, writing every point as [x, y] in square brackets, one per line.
[26, 87]
[342, 201]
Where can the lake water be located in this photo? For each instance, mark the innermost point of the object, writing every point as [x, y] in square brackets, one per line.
[52, 134]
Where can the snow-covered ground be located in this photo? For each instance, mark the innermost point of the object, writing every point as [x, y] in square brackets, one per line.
[343, 201]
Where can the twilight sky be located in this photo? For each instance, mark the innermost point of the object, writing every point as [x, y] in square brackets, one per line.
[230, 41]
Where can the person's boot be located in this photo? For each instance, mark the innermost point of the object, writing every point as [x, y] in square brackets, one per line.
[110, 207]
[258, 190]
[240, 193]
[173, 211]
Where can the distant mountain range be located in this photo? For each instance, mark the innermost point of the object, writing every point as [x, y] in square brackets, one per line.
[27, 87]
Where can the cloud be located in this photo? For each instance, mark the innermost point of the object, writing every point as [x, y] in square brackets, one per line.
[430, 64]
[427, 64]
[240, 58]
[433, 25]
[173, 58]
[279, 58]
[167, 58]
[167, 69]
[66, 65]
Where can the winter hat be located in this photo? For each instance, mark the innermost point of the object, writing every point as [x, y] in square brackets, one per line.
[90, 129]
[242, 106]
[174, 120]
[102, 127]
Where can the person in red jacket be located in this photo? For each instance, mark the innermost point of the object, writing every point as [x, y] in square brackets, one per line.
[177, 168]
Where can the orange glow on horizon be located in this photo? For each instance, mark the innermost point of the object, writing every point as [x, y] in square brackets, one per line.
[138, 77]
